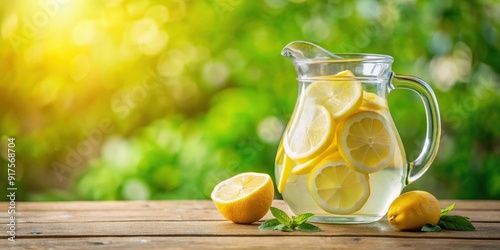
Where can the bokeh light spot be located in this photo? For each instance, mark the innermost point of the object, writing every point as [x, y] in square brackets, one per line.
[111, 3]
[187, 94]
[369, 9]
[440, 43]
[128, 51]
[79, 67]
[158, 13]
[215, 73]
[176, 10]
[118, 153]
[316, 29]
[46, 91]
[446, 70]
[135, 189]
[236, 59]
[171, 63]
[148, 37]
[84, 32]
[137, 7]
[9, 25]
[144, 30]
[276, 4]
[34, 54]
[270, 129]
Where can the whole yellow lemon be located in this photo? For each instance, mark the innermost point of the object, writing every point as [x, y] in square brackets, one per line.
[412, 210]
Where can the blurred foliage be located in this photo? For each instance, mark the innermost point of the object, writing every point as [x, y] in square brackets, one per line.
[158, 99]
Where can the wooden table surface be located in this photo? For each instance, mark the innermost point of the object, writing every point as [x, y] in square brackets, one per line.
[197, 224]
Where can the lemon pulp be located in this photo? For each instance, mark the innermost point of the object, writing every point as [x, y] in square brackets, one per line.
[244, 198]
[337, 188]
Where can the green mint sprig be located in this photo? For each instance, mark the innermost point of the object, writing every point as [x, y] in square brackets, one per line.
[284, 223]
[450, 222]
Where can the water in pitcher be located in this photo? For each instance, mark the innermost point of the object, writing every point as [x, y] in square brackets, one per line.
[341, 157]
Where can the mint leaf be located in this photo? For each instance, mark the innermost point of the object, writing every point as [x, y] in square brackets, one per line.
[448, 209]
[269, 224]
[431, 228]
[281, 216]
[450, 222]
[306, 227]
[302, 218]
[284, 228]
[284, 223]
[456, 222]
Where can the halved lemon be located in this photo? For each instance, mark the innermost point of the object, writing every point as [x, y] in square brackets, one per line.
[341, 97]
[337, 188]
[310, 135]
[244, 198]
[366, 141]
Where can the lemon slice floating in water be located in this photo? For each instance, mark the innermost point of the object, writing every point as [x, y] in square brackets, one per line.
[337, 188]
[310, 135]
[366, 141]
[340, 96]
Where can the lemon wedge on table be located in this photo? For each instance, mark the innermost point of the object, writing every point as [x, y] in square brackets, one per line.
[310, 134]
[244, 198]
[337, 188]
[366, 141]
[340, 97]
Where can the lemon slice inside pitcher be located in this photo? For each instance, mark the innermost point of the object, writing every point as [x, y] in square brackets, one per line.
[284, 173]
[366, 141]
[340, 95]
[372, 101]
[337, 188]
[305, 168]
[313, 131]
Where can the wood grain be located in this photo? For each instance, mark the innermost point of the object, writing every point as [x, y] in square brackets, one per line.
[252, 242]
[197, 224]
[225, 228]
[177, 214]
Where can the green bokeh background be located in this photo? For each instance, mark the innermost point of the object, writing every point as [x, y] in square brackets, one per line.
[148, 99]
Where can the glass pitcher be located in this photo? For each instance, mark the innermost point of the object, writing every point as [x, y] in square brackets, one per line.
[340, 156]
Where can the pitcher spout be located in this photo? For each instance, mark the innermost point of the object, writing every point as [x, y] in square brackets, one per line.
[301, 50]
[313, 61]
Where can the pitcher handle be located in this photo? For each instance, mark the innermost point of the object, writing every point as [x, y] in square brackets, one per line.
[429, 151]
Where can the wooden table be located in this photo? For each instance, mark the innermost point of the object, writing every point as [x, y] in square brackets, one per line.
[197, 224]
